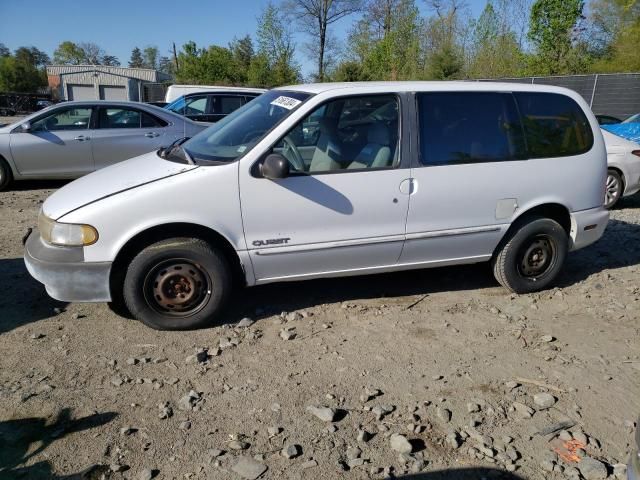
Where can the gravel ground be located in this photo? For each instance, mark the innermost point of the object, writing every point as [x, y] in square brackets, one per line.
[410, 375]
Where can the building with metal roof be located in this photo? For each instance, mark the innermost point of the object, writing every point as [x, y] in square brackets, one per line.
[101, 82]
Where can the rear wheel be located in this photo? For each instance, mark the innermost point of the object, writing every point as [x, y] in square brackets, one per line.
[614, 189]
[177, 284]
[532, 256]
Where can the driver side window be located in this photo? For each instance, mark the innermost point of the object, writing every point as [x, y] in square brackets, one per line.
[67, 119]
[347, 134]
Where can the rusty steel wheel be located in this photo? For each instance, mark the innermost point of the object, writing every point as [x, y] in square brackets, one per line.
[531, 255]
[177, 287]
[177, 284]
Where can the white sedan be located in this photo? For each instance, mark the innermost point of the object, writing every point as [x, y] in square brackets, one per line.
[623, 176]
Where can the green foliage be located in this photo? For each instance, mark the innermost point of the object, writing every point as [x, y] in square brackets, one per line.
[552, 31]
[24, 71]
[85, 53]
[150, 56]
[495, 51]
[68, 53]
[136, 60]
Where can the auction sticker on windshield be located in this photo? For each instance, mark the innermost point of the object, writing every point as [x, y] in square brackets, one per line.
[286, 102]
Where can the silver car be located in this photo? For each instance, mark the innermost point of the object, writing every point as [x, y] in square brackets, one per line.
[623, 173]
[72, 139]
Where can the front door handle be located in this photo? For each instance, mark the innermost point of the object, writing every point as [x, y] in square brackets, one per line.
[81, 138]
[151, 134]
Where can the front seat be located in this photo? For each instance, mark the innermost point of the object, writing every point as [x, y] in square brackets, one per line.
[377, 152]
[328, 154]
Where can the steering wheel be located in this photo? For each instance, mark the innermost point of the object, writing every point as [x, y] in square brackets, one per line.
[296, 161]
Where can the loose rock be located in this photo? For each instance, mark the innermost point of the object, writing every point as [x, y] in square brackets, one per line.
[400, 444]
[325, 414]
[249, 468]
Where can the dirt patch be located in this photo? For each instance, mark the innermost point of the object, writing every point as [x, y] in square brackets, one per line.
[434, 355]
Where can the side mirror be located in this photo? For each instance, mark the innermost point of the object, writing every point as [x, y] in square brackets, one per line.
[275, 166]
[25, 127]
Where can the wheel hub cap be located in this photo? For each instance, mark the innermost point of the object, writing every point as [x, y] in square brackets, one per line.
[178, 287]
[537, 257]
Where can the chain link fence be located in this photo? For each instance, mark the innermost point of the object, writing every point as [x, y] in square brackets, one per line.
[615, 94]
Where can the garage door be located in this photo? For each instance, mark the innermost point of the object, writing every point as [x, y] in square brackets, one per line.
[81, 92]
[113, 93]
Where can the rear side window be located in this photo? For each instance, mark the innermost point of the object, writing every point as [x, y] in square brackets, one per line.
[554, 125]
[469, 127]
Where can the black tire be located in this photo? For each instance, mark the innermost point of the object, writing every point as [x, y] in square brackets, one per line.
[6, 175]
[177, 284]
[532, 256]
[614, 188]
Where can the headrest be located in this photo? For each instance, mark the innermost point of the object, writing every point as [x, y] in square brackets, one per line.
[378, 133]
[327, 125]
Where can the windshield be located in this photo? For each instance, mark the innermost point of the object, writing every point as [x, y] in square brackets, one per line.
[633, 119]
[237, 133]
[176, 106]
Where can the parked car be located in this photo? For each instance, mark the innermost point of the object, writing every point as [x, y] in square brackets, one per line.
[623, 174]
[176, 91]
[398, 175]
[607, 120]
[72, 139]
[211, 106]
[40, 104]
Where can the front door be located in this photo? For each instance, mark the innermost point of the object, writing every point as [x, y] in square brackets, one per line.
[58, 144]
[341, 209]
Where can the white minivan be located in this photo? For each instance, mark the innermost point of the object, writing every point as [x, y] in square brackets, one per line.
[329, 180]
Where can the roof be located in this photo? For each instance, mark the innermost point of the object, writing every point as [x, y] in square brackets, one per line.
[226, 88]
[421, 86]
[146, 74]
[115, 103]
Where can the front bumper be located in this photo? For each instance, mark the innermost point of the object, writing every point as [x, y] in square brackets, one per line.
[65, 274]
[587, 226]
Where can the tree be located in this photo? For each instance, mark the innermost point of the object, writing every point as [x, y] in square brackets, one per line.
[551, 31]
[615, 24]
[276, 48]
[68, 53]
[314, 18]
[4, 51]
[24, 71]
[32, 56]
[136, 60]
[150, 56]
[92, 53]
[495, 50]
[165, 65]
[242, 53]
[110, 61]
[444, 40]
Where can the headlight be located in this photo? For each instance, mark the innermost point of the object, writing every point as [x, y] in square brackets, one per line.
[66, 234]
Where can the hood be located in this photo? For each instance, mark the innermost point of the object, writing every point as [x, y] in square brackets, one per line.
[111, 180]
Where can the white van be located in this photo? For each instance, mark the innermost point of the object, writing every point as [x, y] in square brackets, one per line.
[176, 91]
[328, 180]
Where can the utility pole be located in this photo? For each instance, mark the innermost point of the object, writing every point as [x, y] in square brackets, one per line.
[175, 57]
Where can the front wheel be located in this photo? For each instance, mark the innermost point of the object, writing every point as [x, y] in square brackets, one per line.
[177, 284]
[532, 256]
